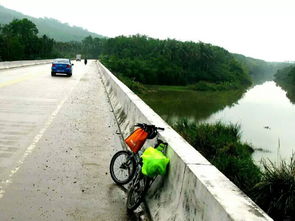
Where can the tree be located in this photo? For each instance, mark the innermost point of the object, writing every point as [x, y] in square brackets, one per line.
[19, 40]
[171, 62]
[23, 32]
[23, 28]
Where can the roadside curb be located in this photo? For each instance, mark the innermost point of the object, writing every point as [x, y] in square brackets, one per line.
[18, 64]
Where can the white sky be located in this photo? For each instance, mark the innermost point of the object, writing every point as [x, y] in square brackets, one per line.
[257, 28]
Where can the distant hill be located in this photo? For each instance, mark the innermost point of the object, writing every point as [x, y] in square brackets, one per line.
[51, 27]
[258, 69]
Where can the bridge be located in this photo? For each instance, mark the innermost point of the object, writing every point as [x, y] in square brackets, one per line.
[58, 134]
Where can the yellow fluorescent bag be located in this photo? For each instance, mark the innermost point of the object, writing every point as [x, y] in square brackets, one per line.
[154, 162]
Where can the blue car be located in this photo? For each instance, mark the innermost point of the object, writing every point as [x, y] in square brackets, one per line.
[61, 65]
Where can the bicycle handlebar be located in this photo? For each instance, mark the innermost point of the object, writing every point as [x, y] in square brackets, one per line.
[144, 126]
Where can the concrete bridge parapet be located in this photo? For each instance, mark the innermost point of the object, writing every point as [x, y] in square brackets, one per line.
[193, 189]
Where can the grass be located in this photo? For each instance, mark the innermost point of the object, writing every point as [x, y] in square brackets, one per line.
[276, 190]
[271, 187]
[169, 88]
[221, 145]
[200, 86]
[221, 86]
[135, 86]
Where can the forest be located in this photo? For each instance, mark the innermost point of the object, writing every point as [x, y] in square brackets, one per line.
[285, 78]
[140, 59]
[19, 41]
[170, 62]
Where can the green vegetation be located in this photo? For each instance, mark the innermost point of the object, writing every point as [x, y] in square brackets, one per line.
[259, 70]
[47, 26]
[199, 66]
[171, 62]
[135, 86]
[221, 145]
[19, 40]
[141, 59]
[89, 47]
[275, 192]
[286, 74]
[144, 60]
[208, 86]
[286, 79]
[272, 187]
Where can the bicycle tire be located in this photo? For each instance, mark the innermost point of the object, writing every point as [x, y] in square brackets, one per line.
[136, 193]
[127, 167]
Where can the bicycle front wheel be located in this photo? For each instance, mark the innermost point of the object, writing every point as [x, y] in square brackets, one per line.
[136, 192]
[122, 167]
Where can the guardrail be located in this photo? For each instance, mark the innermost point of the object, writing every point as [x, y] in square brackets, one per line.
[16, 64]
[193, 189]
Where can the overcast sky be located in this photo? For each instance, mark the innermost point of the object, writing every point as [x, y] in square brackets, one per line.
[257, 28]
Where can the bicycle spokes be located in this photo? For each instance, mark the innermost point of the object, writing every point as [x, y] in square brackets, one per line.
[122, 167]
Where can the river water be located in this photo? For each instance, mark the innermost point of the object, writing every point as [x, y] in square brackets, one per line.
[265, 114]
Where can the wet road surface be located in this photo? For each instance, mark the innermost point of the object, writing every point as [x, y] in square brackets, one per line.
[57, 135]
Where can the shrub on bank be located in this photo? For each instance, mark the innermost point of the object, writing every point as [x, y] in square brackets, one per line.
[135, 86]
[221, 86]
[221, 145]
[272, 187]
[275, 192]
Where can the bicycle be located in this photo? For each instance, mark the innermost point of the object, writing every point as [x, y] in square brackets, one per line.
[140, 184]
[124, 163]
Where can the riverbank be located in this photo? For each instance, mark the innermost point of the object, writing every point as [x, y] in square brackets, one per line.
[285, 78]
[289, 87]
[271, 187]
[143, 89]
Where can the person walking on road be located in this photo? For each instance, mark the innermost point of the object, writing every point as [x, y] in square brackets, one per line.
[85, 61]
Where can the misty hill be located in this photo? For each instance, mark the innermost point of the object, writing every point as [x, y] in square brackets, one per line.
[258, 69]
[48, 26]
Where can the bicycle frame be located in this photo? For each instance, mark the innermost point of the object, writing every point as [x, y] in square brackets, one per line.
[137, 189]
[129, 167]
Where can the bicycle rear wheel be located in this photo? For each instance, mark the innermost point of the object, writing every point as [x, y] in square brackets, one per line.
[122, 167]
[136, 192]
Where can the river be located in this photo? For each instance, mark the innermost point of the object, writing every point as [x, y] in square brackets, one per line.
[265, 114]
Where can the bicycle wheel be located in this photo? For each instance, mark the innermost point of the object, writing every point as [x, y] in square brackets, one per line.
[122, 167]
[136, 192]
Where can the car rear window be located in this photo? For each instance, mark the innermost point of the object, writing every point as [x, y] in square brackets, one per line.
[62, 61]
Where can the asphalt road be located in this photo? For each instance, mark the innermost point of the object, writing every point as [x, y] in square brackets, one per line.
[57, 135]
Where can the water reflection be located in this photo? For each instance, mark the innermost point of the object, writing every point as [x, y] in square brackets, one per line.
[290, 88]
[267, 120]
[195, 106]
[266, 115]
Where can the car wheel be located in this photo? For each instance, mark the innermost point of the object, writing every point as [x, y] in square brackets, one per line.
[69, 75]
[53, 74]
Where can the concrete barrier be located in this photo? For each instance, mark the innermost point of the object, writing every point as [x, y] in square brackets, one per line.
[193, 189]
[16, 64]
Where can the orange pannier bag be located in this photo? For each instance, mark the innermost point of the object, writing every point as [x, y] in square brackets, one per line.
[136, 140]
